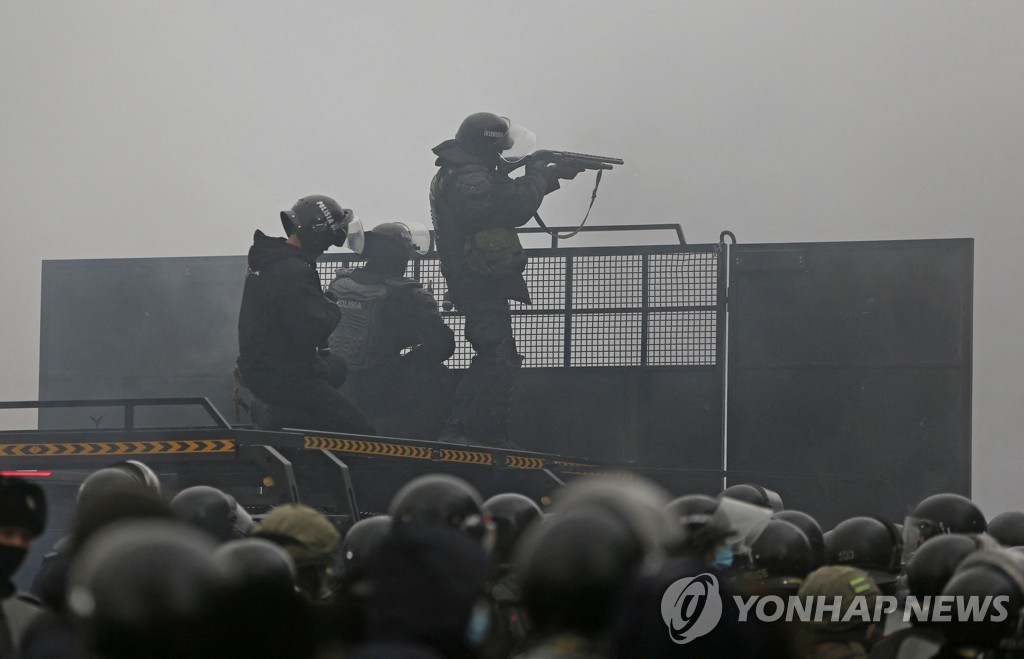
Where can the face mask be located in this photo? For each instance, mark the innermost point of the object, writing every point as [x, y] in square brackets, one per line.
[723, 557]
[10, 560]
[478, 626]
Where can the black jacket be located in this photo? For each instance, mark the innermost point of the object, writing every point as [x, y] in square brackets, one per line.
[469, 194]
[284, 316]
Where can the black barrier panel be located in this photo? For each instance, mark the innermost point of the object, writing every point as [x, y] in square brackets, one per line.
[850, 373]
[138, 328]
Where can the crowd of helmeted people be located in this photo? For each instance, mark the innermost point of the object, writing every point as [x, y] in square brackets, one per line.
[613, 567]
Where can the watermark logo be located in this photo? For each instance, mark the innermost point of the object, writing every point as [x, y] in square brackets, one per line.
[691, 607]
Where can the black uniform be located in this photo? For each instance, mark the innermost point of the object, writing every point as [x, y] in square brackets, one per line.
[404, 395]
[284, 319]
[469, 194]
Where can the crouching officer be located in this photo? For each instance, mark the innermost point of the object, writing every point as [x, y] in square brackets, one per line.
[285, 320]
[382, 314]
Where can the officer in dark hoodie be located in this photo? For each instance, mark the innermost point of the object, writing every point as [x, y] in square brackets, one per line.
[475, 206]
[285, 320]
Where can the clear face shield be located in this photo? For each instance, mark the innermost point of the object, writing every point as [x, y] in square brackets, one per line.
[355, 240]
[744, 521]
[419, 237]
[516, 143]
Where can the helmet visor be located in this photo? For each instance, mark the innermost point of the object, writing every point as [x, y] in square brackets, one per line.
[745, 521]
[516, 143]
[355, 240]
[419, 237]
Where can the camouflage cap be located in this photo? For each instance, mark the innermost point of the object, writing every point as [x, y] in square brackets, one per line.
[845, 582]
[306, 534]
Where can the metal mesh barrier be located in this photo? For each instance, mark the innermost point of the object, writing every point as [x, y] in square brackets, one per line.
[612, 306]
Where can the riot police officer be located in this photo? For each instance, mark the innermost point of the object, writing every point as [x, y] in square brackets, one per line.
[285, 320]
[475, 208]
[382, 314]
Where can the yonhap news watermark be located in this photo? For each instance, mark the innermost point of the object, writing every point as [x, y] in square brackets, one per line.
[692, 607]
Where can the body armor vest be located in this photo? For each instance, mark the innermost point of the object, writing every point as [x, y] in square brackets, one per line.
[357, 337]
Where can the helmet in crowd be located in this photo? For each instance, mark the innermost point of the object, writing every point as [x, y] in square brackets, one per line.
[872, 544]
[780, 556]
[811, 529]
[988, 573]
[512, 514]
[574, 567]
[145, 588]
[213, 511]
[109, 481]
[362, 541]
[702, 531]
[938, 514]
[258, 564]
[639, 503]
[931, 566]
[319, 222]
[754, 494]
[143, 473]
[440, 499]
[413, 237]
[484, 134]
[1008, 528]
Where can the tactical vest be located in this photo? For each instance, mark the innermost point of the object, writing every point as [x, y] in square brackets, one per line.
[361, 337]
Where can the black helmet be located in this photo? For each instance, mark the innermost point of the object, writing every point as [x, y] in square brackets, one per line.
[811, 529]
[483, 134]
[414, 237]
[931, 566]
[780, 556]
[754, 494]
[142, 472]
[258, 564]
[22, 505]
[702, 530]
[989, 573]
[361, 543]
[938, 514]
[109, 481]
[440, 499]
[211, 510]
[1008, 528]
[145, 588]
[871, 543]
[511, 513]
[574, 568]
[319, 221]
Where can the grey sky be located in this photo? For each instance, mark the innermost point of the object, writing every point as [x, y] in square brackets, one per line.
[175, 128]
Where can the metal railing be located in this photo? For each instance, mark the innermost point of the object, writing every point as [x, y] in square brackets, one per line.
[645, 306]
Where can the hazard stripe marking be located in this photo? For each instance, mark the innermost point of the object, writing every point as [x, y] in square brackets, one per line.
[470, 457]
[522, 462]
[75, 449]
[367, 447]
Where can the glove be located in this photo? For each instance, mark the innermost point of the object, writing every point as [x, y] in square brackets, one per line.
[567, 169]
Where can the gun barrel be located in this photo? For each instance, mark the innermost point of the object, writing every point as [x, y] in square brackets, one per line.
[586, 157]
